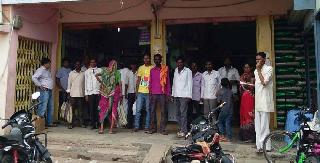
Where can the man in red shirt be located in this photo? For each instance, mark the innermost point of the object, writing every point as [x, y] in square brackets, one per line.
[159, 86]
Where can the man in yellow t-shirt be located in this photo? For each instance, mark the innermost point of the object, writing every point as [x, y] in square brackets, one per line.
[143, 93]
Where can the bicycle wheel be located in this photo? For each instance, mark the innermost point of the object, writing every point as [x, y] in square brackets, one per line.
[313, 159]
[278, 140]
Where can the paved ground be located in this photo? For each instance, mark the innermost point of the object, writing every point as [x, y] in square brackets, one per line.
[81, 145]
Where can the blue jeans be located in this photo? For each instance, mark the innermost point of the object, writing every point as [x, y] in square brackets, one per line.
[46, 106]
[142, 99]
[224, 124]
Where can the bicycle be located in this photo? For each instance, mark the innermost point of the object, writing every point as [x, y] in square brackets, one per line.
[307, 142]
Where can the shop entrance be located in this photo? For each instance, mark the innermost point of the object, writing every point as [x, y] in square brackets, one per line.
[126, 43]
[213, 42]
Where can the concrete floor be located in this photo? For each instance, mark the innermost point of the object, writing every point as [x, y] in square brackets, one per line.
[82, 145]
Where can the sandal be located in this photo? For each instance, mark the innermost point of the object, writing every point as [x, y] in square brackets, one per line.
[52, 125]
[112, 132]
[100, 132]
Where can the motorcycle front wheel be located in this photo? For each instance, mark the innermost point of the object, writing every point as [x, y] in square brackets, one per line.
[227, 158]
[7, 159]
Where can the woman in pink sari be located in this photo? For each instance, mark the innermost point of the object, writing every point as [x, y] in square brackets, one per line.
[247, 104]
[110, 91]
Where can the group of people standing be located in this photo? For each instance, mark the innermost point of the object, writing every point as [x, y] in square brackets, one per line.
[101, 90]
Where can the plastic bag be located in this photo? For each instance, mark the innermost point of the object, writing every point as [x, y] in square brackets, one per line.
[66, 112]
[122, 115]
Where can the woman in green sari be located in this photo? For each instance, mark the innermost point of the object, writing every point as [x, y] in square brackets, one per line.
[110, 91]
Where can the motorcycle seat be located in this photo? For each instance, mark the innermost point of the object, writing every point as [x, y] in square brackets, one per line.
[195, 148]
[7, 139]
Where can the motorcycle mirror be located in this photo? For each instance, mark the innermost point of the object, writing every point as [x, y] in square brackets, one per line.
[221, 105]
[7, 148]
[35, 95]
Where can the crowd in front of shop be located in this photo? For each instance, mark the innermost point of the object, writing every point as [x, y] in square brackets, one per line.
[96, 94]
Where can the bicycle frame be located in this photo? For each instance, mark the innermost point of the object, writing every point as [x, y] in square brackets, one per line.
[295, 139]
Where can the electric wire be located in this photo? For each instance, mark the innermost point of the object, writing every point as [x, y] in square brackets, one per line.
[105, 14]
[210, 6]
[41, 22]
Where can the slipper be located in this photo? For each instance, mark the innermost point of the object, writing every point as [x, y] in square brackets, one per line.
[112, 132]
[100, 132]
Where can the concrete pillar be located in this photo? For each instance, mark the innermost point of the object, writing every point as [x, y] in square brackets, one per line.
[158, 39]
[5, 47]
[58, 65]
[158, 45]
[265, 43]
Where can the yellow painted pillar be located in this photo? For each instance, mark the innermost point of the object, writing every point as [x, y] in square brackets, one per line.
[158, 39]
[265, 43]
[158, 45]
[58, 65]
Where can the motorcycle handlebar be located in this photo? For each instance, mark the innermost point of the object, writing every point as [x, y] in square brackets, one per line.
[186, 137]
[218, 107]
[33, 106]
[7, 124]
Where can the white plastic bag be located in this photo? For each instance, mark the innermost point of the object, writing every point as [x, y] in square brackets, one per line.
[66, 112]
[122, 115]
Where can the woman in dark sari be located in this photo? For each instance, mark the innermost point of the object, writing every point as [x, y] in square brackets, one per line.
[110, 91]
[247, 132]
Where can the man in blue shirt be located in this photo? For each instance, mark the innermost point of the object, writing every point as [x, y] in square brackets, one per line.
[62, 81]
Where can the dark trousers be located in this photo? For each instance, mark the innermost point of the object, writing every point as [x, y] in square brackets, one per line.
[161, 100]
[181, 113]
[93, 102]
[131, 100]
[236, 110]
[194, 111]
[77, 105]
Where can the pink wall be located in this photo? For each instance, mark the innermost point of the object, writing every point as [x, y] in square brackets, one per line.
[39, 23]
[142, 11]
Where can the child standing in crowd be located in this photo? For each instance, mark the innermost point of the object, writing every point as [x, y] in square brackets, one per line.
[225, 116]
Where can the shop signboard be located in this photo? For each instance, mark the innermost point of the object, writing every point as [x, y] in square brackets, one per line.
[144, 38]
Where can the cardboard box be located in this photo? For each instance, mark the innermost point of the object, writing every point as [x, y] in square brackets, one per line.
[39, 124]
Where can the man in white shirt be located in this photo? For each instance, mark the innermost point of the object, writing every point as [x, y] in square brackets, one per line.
[227, 71]
[131, 96]
[76, 92]
[92, 87]
[182, 93]
[209, 87]
[264, 102]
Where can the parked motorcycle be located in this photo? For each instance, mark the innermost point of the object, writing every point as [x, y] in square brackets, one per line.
[205, 146]
[22, 143]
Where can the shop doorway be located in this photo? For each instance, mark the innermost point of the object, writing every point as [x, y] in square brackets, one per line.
[213, 42]
[125, 44]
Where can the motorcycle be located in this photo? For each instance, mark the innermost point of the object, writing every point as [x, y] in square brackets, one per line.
[205, 146]
[22, 143]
